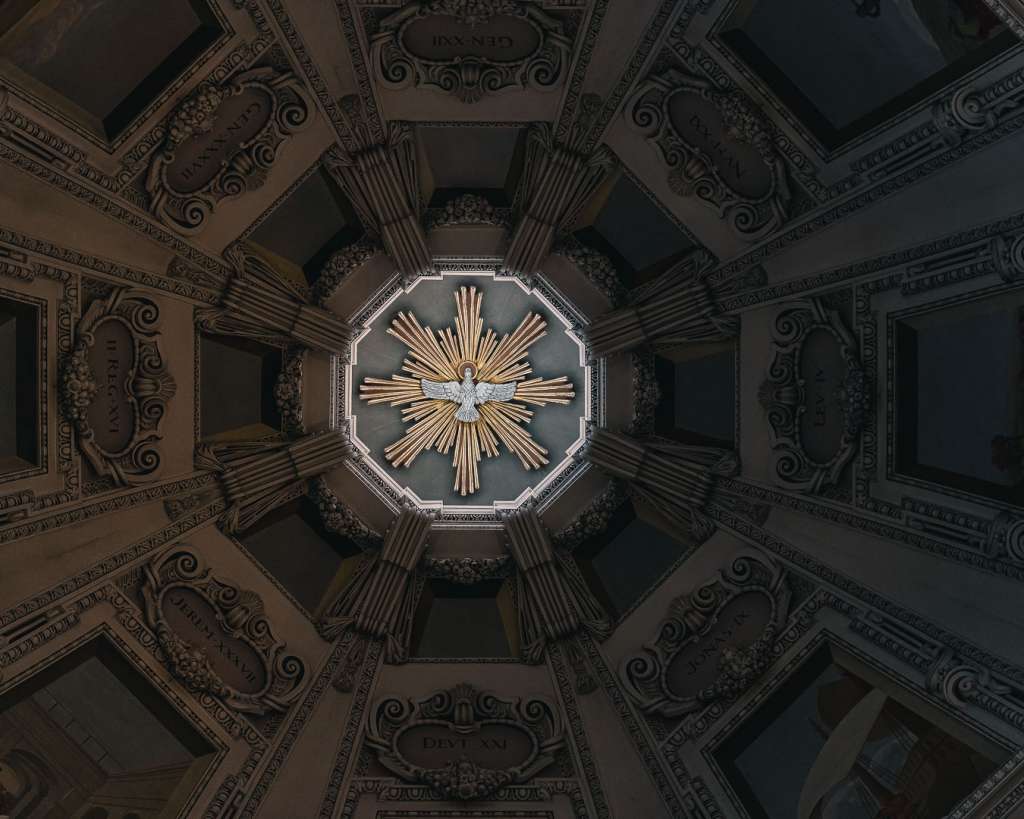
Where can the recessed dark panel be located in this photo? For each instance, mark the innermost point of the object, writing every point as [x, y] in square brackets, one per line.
[640, 233]
[19, 385]
[830, 743]
[236, 383]
[310, 225]
[959, 416]
[109, 58]
[698, 398]
[293, 545]
[460, 621]
[885, 56]
[469, 157]
[625, 562]
[92, 721]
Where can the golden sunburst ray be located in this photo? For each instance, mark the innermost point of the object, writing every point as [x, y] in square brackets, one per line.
[443, 357]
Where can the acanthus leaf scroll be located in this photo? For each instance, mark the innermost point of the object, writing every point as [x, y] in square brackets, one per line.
[717, 147]
[115, 387]
[815, 396]
[470, 49]
[215, 637]
[464, 743]
[221, 142]
[713, 643]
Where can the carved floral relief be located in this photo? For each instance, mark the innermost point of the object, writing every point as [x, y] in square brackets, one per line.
[115, 387]
[713, 643]
[470, 48]
[221, 142]
[815, 396]
[717, 147]
[216, 638]
[465, 743]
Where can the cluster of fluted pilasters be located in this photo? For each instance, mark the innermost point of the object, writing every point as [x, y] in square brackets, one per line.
[555, 605]
[258, 303]
[257, 476]
[379, 601]
[555, 185]
[676, 479]
[680, 309]
[382, 184]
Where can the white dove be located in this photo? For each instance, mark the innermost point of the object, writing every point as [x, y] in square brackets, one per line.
[467, 394]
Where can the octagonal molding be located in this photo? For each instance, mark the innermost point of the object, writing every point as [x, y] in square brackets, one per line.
[426, 489]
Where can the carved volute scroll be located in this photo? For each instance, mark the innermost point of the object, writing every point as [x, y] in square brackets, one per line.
[464, 743]
[221, 142]
[814, 396]
[215, 637]
[717, 148]
[470, 49]
[714, 642]
[114, 386]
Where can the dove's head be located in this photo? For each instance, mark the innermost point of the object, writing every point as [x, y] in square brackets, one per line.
[467, 375]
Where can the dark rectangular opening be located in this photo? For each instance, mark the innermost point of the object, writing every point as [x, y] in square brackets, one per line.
[108, 59]
[19, 385]
[937, 437]
[831, 136]
[236, 385]
[93, 719]
[460, 621]
[803, 734]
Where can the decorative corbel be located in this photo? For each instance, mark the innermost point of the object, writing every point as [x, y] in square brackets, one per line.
[258, 303]
[379, 602]
[381, 182]
[555, 606]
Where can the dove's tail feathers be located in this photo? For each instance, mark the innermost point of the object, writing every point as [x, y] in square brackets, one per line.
[467, 414]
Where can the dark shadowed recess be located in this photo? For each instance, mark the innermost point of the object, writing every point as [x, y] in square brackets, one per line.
[295, 547]
[19, 385]
[314, 221]
[959, 398]
[236, 384]
[454, 620]
[635, 234]
[621, 565]
[63, 51]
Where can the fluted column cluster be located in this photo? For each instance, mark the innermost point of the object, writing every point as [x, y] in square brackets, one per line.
[675, 479]
[378, 603]
[258, 303]
[256, 477]
[382, 184]
[681, 308]
[554, 604]
[556, 183]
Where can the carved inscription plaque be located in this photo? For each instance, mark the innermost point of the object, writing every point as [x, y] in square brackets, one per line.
[111, 414]
[465, 743]
[714, 641]
[194, 620]
[444, 38]
[815, 396]
[491, 746]
[215, 638]
[237, 121]
[823, 370]
[739, 623]
[698, 122]
[114, 386]
[470, 49]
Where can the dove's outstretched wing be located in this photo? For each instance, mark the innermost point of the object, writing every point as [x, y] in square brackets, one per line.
[445, 390]
[485, 391]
